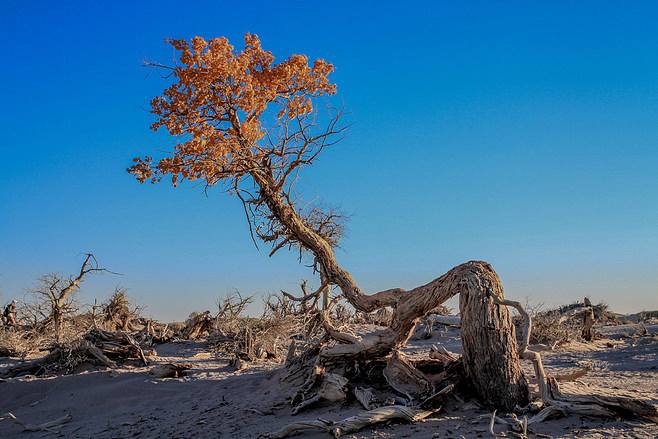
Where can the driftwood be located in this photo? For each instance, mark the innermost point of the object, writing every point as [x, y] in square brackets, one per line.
[333, 388]
[198, 325]
[438, 352]
[446, 320]
[353, 423]
[364, 396]
[169, 370]
[402, 376]
[46, 426]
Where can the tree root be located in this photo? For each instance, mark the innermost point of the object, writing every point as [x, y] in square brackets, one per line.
[557, 403]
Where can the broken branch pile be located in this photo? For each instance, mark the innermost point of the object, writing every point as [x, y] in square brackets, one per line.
[97, 348]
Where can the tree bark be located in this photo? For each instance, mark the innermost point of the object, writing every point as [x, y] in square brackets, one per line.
[588, 323]
[490, 351]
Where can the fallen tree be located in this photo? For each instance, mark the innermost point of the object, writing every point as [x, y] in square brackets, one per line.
[251, 125]
[97, 347]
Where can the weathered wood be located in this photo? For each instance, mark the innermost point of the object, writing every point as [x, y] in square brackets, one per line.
[169, 370]
[577, 402]
[353, 423]
[490, 351]
[406, 379]
[364, 396]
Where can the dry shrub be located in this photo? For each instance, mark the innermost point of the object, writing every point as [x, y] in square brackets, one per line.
[118, 313]
[267, 336]
[19, 343]
[564, 324]
[649, 317]
[549, 329]
[36, 329]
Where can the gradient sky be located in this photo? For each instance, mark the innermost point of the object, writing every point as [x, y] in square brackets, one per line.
[524, 134]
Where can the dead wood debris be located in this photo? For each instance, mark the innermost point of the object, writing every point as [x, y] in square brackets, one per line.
[169, 370]
[353, 423]
[558, 326]
[97, 347]
[284, 326]
[553, 402]
[46, 426]
[418, 380]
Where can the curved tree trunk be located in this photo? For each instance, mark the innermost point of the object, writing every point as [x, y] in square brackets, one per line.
[490, 351]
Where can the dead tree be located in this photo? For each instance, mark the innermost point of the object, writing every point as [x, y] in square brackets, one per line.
[118, 313]
[251, 125]
[588, 320]
[58, 294]
[197, 325]
[9, 314]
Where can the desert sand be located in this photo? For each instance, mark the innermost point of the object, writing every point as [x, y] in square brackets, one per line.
[214, 400]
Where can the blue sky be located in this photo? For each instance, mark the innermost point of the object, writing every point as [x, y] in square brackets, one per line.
[522, 134]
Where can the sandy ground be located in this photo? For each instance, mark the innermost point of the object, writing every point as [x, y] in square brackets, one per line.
[216, 402]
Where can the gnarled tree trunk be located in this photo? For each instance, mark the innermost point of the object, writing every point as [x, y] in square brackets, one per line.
[490, 350]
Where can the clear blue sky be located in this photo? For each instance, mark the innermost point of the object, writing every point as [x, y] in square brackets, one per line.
[521, 133]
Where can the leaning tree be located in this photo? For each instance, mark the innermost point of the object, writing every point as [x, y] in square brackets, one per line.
[250, 125]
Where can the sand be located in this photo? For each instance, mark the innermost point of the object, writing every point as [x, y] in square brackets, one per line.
[214, 401]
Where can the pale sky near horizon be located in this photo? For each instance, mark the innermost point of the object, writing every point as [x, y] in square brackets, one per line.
[521, 134]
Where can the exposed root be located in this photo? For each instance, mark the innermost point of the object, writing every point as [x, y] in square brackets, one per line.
[557, 403]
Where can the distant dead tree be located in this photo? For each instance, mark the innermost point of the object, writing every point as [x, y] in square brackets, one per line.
[9, 314]
[118, 314]
[56, 295]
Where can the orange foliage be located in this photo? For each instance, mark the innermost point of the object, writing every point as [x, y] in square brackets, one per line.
[221, 103]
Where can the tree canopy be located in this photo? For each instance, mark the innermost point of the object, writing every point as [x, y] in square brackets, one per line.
[238, 111]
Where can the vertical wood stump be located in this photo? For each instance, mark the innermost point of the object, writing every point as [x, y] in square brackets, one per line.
[490, 356]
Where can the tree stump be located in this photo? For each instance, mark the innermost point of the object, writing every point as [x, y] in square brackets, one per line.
[491, 359]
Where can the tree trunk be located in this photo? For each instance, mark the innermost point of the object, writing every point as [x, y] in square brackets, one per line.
[490, 351]
[491, 358]
[57, 322]
[588, 323]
